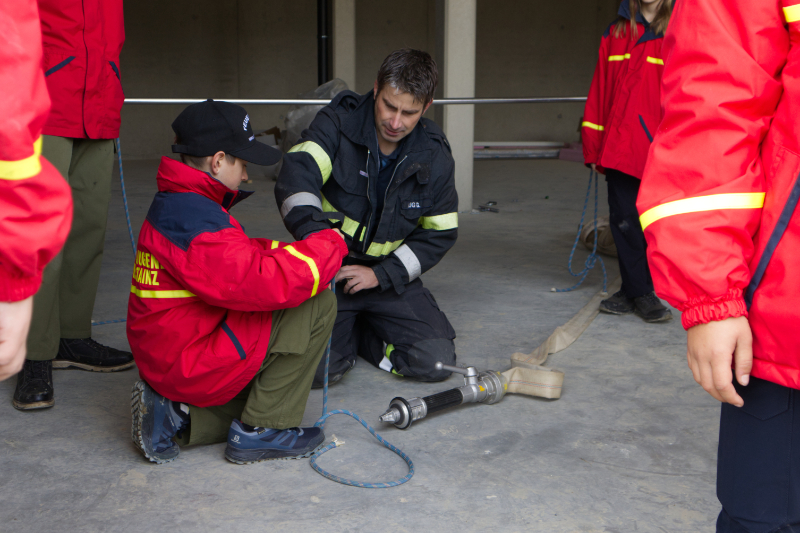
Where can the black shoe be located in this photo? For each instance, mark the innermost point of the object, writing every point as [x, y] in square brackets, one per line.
[618, 304]
[650, 308]
[88, 354]
[34, 386]
[332, 377]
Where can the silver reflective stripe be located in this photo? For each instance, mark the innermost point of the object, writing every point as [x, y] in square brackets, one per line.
[300, 198]
[410, 261]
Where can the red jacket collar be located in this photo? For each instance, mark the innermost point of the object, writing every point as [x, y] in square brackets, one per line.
[174, 176]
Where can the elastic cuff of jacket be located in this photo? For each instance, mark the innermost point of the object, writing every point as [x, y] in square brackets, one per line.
[384, 283]
[703, 310]
[395, 274]
[16, 289]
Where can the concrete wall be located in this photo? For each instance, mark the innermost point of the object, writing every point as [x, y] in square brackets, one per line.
[257, 49]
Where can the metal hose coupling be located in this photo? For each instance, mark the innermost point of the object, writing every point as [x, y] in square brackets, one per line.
[484, 387]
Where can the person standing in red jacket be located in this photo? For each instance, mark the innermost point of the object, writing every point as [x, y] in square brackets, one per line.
[227, 331]
[82, 41]
[718, 204]
[622, 109]
[35, 204]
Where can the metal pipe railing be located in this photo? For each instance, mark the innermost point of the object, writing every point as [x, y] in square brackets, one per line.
[305, 101]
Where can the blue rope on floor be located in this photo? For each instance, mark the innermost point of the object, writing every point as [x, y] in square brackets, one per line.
[127, 219]
[321, 424]
[592, 259]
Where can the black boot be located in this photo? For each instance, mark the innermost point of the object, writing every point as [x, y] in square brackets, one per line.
[617, 304]
[88, 354]
[34, 386]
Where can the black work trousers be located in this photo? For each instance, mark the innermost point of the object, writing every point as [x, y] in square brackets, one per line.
[405, 334]
[758, 462]
[628, 235]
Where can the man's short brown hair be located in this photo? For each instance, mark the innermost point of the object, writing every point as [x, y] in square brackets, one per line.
[410, 71]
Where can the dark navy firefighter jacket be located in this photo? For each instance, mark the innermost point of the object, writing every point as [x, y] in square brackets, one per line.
[326, 181]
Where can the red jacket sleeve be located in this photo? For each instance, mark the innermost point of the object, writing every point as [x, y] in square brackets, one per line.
[703, 186]
[594, 113]
[226, 270]
[35, 201]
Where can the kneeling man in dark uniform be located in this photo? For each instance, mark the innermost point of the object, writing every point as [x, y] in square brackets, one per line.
[371, 166]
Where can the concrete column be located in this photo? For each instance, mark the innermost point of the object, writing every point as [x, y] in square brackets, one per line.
[344, 41]
[459, 82]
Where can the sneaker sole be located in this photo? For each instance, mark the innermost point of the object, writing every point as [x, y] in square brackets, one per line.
[63, 363]
[140, 406]
[248, 457]
[31, 406]
[666, 318]
[618, 313]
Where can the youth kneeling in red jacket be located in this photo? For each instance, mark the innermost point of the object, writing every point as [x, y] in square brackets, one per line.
[227, 331]
[623, 108]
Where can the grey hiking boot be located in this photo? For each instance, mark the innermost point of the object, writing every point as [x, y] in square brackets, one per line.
[650, 308]
[618, 304]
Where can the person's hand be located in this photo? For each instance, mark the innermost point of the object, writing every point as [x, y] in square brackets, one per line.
[358, 278]
[339, 232]
[15, 319]
[594, 167]
[710, 350]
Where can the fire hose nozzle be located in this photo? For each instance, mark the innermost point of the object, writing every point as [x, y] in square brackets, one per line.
[485, 387]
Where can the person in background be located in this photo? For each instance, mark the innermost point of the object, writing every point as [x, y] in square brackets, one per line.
[82, 41]
[35, 202]
[622, 111]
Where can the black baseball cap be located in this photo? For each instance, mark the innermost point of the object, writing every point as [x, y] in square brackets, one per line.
[206, 128]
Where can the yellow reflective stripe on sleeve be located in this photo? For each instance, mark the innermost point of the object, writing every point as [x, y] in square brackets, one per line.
[713, 202]
[655, 60]
[319, 155]
[349, 226]
[597, 127]
[23, 168]
[792, 13]
[161, 294]
[440, 222]
[378, 250]
[311, 264]
[619, 57]
[274, 245]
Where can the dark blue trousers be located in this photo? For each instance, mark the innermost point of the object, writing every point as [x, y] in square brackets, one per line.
[758, 464]
[628, 235]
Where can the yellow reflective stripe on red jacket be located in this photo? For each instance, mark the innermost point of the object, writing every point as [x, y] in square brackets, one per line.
[440, 222]
[621, 57]
[274, 245]
[792, 13]
[23, 169]
[311, 264]
[319, 155]
[161, 294]
[713, 202]
[655, 60]
[587, 124]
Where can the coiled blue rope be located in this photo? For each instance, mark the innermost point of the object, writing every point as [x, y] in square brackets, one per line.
[321, 424]
[592, 259]
[127, 219]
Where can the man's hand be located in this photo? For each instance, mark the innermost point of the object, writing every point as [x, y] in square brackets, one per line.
[711, 348]
[15, 319]
[358, 277]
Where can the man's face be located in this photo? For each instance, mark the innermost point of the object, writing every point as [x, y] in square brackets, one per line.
[396, 113]
[230, 174]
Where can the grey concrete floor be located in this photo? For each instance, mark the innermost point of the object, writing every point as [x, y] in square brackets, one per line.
[630, 446]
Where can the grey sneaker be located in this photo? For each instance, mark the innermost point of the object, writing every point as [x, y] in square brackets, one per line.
[618, 304]
[650, 308]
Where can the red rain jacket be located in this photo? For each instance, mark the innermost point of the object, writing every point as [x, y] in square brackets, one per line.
[35, 201]
[202, 296]
[82, 42]
[721, 186]
[623, 108]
